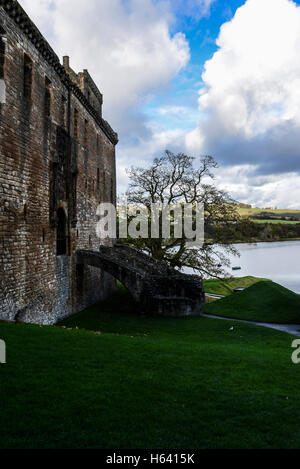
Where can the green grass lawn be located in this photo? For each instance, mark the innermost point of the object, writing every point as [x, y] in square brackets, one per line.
[147, 383]
[263, 302]
[226, 286]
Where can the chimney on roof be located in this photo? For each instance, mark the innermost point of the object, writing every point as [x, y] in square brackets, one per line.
[66, 62]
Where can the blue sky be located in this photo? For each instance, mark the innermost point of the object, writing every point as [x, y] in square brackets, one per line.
[200, 76]
[201, 34]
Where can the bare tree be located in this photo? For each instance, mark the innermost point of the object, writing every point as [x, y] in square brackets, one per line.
[178, 178]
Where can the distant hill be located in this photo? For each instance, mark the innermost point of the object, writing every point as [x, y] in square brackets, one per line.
[268, 213]
[262, 302]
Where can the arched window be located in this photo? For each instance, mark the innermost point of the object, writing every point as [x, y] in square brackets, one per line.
[61, 234]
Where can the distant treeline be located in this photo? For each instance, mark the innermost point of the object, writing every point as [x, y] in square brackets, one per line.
[288, 216]
[248, 231]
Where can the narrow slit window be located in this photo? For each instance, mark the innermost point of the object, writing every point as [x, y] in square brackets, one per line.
[28, 69]
[63, 111]
[86, 133]
[47, 97]
[76, 132]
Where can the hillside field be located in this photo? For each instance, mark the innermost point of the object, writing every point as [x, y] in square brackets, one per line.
[249, 212]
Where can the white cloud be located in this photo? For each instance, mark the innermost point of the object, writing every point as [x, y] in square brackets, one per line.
[251, 92]
[140, 152]
[253, 81]
[174, 110]
[194, 140]
[260, 191]
[127, 47]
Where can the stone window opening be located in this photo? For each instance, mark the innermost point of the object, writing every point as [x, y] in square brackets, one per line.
[25, 212]
[86, 133]
[63, 111]
[76, 133]
[47, 97]
[28, 71]
[61, 233]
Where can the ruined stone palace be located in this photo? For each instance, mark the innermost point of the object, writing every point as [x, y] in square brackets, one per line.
[57, 162]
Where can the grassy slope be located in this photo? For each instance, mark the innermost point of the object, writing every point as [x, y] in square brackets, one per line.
[264, 302]
[217, 287]
[147, 383]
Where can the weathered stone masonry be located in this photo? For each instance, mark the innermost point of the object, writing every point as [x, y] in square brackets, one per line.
[57, 162]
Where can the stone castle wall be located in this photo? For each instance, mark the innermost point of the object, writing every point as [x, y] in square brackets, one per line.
[56, 152]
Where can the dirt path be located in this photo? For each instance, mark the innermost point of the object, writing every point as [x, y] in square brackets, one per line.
[292, 329]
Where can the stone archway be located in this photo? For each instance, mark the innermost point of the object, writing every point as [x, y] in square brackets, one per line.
[158, 289]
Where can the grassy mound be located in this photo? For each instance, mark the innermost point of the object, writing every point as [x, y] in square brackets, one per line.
[226, 286]
[263, 302]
